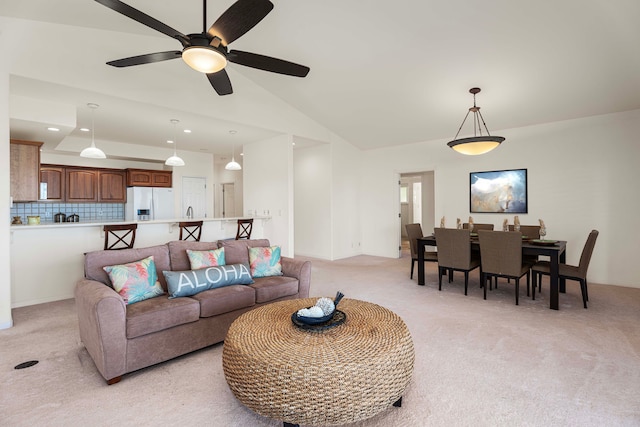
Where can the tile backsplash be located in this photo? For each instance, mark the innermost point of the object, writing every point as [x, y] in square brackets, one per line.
[94, 212]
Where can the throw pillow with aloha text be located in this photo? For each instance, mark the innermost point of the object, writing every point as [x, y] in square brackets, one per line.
[191, 282]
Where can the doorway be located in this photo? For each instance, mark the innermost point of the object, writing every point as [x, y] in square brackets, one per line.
[417, 205]
[228, 200]
[194, 195]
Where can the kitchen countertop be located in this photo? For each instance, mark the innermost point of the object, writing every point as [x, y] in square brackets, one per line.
[101, 223]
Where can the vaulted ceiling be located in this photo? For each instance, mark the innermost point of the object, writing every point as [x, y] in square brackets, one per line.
[382, 73]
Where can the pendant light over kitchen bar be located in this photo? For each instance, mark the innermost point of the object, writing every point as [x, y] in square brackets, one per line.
[93, 152]
[174, 160]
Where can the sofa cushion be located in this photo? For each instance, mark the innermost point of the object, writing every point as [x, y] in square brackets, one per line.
[265, 261]
[178, 253]
[160, 313]
[94, 261]
[223, 300]
[191, 282]
[237, 251]
[204, 259]
[135, 281]
[274, 287]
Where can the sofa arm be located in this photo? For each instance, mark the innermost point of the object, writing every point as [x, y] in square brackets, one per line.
[301, 270]
[102, 317]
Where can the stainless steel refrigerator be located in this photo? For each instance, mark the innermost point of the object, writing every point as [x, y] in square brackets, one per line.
[149, 203]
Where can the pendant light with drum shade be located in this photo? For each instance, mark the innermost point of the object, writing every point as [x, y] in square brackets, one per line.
[477, 144]
[233, 165]
[93, 152]
[174, 160]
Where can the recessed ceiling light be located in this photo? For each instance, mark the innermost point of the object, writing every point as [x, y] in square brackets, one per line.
[169, 141]
[84, 129]
[187, 131]
[52, 129]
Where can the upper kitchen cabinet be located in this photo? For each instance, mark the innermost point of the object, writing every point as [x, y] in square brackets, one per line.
[112, 186]
[82, 185]
[149, 178]
[25, 170]
[55, 178]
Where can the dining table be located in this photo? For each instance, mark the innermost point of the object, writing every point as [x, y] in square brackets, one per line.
[555, 250]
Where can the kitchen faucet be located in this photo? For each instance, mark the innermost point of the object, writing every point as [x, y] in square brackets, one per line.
[189, 212]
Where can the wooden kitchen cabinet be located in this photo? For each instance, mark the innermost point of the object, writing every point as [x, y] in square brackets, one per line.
[55, 178]
[25, 170]
[149, 178]
[112, 186]
[81, 185]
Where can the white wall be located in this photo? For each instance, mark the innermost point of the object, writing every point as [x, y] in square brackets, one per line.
[312, 201]
[268, 188]
[582, 175]
[6, 320]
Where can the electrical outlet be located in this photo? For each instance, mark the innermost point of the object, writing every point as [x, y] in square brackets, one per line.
[47, 214]
[100, 212]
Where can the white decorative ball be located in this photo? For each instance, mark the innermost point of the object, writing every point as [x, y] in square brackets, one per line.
[326, 304]
[315, 311]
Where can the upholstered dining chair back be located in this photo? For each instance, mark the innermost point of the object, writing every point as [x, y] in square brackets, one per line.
[477, 227]
[454, 248]
[531, 231]
[414, 232]
[190, 230]
[122, 236]
[587, 251]
[501, 252]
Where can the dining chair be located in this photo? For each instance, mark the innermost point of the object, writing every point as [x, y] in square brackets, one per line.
[531, 231]
[123, 234]
[477, 227]
[244, 229]
[190, 230]
[501, 256]
[565, 271]
[454, 254]
[414, 232]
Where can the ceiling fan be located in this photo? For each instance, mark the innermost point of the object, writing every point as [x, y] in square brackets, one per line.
[207, 51]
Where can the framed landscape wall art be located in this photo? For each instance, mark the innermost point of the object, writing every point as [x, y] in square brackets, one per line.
[503, 191]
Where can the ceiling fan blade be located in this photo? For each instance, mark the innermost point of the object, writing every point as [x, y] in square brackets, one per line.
[144, 19]
[267, 63]
[242, 16]
[145, 59]
[220, 82]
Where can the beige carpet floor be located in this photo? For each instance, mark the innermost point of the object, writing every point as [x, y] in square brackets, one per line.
[478, 363]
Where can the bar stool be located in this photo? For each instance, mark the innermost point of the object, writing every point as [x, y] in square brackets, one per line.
[124, 235]
[188, 230]
[244, 229]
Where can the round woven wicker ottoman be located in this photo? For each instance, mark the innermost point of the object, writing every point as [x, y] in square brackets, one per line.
[334, 376]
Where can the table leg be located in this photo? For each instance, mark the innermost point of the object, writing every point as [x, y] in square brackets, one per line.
[553, 282]
[563, 282]
[421, 246]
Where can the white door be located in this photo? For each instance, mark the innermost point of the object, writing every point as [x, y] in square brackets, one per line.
[194, 194]
[228, 200]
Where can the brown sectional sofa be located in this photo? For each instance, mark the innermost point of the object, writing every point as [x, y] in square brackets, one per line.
[123, 338]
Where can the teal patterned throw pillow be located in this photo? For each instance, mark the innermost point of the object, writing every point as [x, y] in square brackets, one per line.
[265, 261]
[204, 259]
[136, 281]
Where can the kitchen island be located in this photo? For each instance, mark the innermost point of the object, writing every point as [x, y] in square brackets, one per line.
[47, 259]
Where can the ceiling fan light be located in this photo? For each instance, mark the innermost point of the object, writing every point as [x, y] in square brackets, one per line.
[204, 59]
[476, 145]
